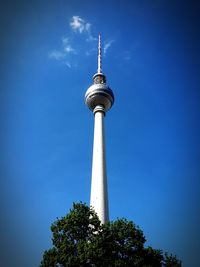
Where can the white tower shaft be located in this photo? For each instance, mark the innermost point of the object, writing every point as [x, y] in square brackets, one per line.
[99, 193]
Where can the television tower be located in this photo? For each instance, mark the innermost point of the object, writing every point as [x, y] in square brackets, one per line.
[99, 98]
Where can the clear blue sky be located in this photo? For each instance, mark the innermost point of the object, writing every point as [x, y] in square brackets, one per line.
[151, 60]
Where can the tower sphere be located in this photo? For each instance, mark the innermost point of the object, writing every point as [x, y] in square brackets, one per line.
[99, 93]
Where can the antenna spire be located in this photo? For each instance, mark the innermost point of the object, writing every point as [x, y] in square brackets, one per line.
[99, 77]
[99, 70]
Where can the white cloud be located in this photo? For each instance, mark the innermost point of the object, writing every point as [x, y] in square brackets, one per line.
[65, 40]
[58, 55]
[91, 38]
[79, 24]
[61, 54]
[67, 47]
[106, 46]
[68, 64]
[91, 51]
[73, 44]
[87, 27]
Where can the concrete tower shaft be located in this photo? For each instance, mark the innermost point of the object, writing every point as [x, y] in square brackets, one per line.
[99, 192]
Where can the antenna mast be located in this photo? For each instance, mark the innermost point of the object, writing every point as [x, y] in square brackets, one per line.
[99, 70]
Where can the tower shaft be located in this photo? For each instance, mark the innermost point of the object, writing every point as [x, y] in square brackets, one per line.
[99, 193]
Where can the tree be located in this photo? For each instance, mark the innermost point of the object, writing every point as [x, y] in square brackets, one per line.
[79, 240]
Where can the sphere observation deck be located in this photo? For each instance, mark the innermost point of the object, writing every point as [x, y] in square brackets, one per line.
[99, 93]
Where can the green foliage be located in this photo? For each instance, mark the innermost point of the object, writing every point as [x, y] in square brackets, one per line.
[170, 260]
[79, 240]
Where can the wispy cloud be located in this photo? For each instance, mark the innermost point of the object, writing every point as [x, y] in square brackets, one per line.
[68, 64]
[106, 46]
[91, 51]
[62, 53]
[79, 25]
[74, 43]
[67, 47]
[55, 54]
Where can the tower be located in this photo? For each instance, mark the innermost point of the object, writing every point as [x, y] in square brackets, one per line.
[99, 98]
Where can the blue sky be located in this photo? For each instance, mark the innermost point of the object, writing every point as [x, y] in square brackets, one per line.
[151, 60]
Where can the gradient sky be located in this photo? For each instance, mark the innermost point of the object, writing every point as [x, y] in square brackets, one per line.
[151, 60]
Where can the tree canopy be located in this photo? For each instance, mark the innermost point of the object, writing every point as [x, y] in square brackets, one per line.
[80, 240]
